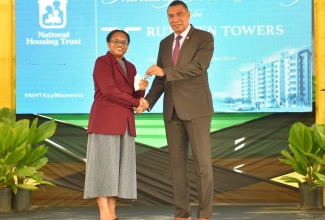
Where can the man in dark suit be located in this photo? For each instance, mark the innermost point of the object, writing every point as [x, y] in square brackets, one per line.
[187, 107]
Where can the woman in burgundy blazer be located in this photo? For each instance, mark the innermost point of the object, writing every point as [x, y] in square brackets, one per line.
[110, 167]
[114, 97]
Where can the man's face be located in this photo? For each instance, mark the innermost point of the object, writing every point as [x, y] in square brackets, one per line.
[178, 18]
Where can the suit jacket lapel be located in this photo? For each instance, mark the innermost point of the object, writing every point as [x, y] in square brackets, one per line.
[185, 42]
[170, 49]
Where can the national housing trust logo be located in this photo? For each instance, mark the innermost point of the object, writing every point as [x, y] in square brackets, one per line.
[52, 19]
[52, 13]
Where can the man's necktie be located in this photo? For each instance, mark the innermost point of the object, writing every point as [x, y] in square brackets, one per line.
[176, 50]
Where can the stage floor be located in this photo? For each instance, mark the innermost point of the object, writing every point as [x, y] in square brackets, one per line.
[220, 212]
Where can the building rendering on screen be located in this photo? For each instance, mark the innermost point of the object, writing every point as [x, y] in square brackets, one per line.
[285, 82]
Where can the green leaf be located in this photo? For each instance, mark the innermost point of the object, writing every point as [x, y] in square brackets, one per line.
[320, 135]
[317, 159]
[7, 116]
[298, 166]
[15, 156]
[14, 189]
[21, 132]
[286, 154]
[25, 171]
[40, 163]
[27, 186]
[32, 131]
[299, 156]
[290, 162]
[289, 179]
[301, 169]
[300, 137]
[37, 176]
[6, 138]
[36, 154]
[320, 176]
[45, 130]
[47, 183]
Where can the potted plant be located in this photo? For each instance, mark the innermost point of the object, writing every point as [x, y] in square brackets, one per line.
[22, 155]
[306, 157]
[10, 155]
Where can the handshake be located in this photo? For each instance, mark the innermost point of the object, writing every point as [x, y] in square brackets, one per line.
[152, 70]
[144, 105]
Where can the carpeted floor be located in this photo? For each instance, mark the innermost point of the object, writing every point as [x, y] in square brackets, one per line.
[220, 212]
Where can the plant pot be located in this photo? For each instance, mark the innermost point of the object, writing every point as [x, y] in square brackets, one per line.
[5, 199]
[22, 200]
[310, 199]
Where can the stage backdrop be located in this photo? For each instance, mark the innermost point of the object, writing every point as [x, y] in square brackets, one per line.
[262, 60]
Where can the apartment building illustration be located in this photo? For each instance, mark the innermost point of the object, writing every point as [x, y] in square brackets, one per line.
[284, 82]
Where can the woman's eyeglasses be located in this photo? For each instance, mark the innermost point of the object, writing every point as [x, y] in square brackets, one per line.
[116, 42]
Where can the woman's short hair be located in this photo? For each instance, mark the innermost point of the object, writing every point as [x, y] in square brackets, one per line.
[109, 36]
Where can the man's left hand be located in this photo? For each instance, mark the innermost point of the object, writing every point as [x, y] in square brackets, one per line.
[155, 70]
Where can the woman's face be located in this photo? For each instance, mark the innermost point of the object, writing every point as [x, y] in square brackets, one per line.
[118, 45]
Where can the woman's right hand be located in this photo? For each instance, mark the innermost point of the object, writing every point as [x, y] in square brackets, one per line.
[143, 84]
[144, 105]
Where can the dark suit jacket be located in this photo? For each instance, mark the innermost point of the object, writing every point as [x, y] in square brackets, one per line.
[185, 86]
[114, 97]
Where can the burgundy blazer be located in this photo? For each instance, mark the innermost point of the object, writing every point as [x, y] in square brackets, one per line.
[114, 97]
